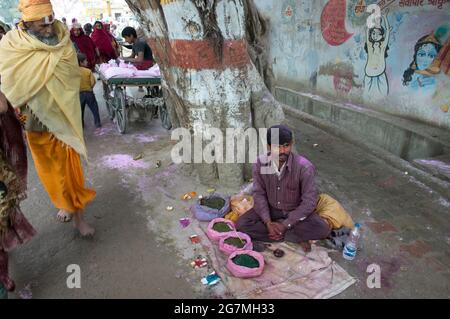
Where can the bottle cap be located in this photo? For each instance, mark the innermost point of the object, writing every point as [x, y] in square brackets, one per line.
[358, 225]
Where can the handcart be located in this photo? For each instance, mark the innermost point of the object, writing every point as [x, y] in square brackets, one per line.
[119, 104]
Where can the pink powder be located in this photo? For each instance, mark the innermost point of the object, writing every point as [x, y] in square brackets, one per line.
[123, 161]
[103, 130]
[142, 138]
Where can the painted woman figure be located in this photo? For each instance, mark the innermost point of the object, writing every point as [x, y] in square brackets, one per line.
[377, 39]
[419, 75]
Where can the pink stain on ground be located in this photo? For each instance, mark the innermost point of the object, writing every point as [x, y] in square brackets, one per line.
[122, 161]
[168, 172]
[142, 138]
[105, 130]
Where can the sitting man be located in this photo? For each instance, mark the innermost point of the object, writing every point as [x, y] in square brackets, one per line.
[285, 196]
[141, 55]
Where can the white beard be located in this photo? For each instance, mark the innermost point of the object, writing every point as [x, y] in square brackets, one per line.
[52, 40]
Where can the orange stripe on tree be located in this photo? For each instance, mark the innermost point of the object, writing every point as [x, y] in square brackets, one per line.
[200, 54]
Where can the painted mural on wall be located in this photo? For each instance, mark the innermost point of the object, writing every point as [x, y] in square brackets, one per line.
[400, 65]
[424, 82]
[343, 76]
[426, 75]
[421, 71]
[376, 83]
[293, 29]
[332, 22]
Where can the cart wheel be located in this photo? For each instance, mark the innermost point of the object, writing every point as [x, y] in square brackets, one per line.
[107, 97]
[164, 116]
[121, 111]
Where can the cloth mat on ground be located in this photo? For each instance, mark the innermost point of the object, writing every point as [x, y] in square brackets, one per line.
[294, 276]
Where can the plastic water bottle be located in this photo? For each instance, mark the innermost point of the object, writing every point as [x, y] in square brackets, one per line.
[350, 248]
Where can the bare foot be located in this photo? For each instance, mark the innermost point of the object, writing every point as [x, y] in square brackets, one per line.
[306, 246]
[64, 216]
[84, 228]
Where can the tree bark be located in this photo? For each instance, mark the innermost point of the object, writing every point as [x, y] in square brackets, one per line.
[211, 54]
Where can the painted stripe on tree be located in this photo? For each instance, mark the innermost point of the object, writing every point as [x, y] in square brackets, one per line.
[231, 20]
[200, 54]
[228, 87]
[184, 23]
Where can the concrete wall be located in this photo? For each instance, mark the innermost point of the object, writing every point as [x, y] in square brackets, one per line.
[319, 47]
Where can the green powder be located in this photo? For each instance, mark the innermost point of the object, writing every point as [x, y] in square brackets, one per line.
[213, 202]
[235, 241]
[246, 261]
[221, 227]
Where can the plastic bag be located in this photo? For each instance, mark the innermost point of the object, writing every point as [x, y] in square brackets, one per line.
[205, 213]
[242, 271]
[217, 235]
[240, 204]
[228, 249]
[331, 210]
[232, 216]
[247, 189]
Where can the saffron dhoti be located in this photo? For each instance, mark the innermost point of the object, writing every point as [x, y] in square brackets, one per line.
[59, 169]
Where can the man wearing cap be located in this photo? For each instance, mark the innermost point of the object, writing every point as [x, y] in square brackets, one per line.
[285, 195]
[40, 76]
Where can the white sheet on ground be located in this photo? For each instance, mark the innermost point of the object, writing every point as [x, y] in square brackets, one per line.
[294, 276]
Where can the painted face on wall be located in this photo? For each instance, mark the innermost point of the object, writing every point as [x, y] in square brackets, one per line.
[425, 56]
[376, 35]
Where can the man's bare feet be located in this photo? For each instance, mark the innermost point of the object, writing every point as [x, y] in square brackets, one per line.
[84, 228]
[64, 216]
[306, 246]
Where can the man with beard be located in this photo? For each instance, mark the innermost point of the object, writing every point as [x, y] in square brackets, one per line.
[40, 75]
[285, 195]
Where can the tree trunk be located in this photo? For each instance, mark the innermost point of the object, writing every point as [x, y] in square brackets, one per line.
[210, 78]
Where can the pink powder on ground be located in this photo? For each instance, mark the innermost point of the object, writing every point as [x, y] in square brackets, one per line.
[142, 138]
[105, 130]
[123, 161]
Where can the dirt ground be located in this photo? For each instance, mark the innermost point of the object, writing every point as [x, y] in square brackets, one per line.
[141, 251]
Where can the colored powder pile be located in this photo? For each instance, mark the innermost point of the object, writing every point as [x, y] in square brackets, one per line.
[235, 241]
[222, 227]
[245, 260]
[213, 202]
